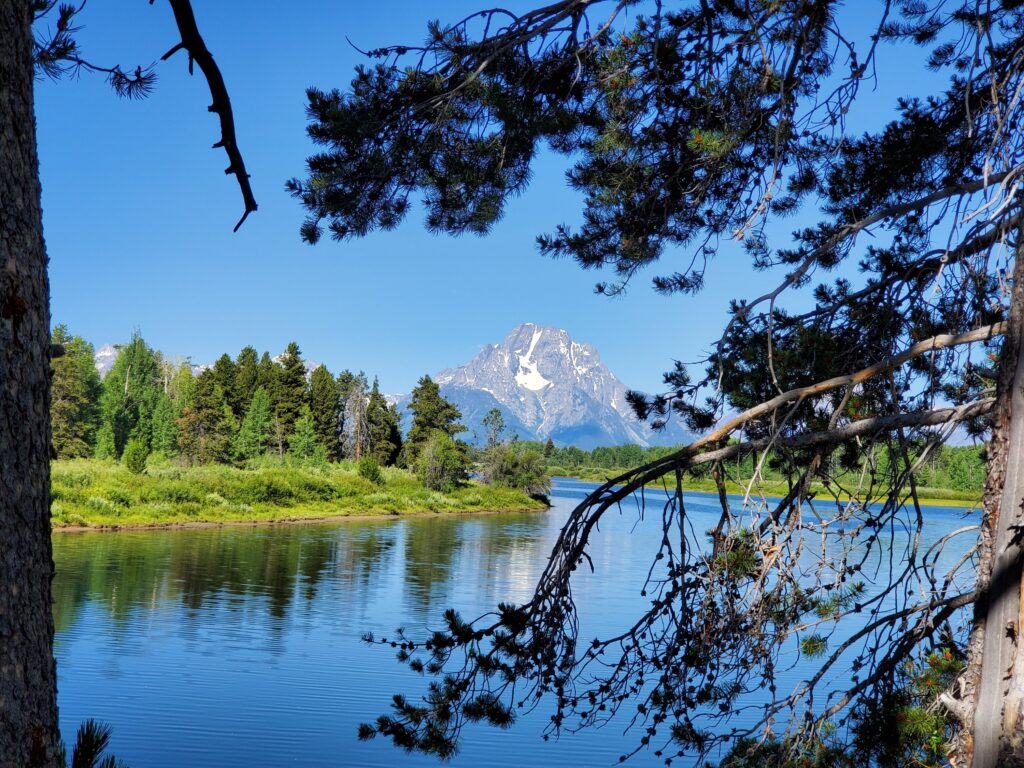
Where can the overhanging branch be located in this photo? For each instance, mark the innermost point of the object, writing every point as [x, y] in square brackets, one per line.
[941, 341]
[192, 42]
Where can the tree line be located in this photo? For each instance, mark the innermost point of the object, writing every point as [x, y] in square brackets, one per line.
[241, 409]
[957, 468]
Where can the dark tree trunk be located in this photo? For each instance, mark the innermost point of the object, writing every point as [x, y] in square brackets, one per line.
[994, 683]
[28, 686]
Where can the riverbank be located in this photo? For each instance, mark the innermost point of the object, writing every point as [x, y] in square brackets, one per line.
[90, 494]
[934, 497]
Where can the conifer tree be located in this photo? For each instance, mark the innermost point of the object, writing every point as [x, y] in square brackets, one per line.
[130, 393]
[207, 426]
[689, 125]
[549, 448]
[395, 427]
[430, 412]
[38, 38]
[74, 404]
[257, 426]
[323, 403]
[225, 374]
[385, 437]
[303, 443]
[267, 373]
[246, 380]
[291, 388]
[165, 426]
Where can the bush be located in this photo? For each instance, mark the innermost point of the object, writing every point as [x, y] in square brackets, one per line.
[442, 462]
[135, 455]
[516, 466]
[370, 470]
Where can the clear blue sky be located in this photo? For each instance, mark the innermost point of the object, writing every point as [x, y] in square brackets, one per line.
[138, 215]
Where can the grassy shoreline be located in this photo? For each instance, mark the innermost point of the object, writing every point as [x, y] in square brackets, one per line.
[95, 495]
[934, 497]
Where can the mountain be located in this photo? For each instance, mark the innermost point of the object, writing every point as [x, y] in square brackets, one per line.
[104, 358]
[547, 385]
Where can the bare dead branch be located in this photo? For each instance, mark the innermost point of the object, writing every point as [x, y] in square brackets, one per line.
[192, 42]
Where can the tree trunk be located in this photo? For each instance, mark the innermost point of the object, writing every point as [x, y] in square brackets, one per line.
[994, 684]
[28, 686]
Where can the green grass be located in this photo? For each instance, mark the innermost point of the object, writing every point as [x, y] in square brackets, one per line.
[940, 497]
[104, 494]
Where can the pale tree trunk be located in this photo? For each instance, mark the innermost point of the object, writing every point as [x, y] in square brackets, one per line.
[28, 686]
[994, 683]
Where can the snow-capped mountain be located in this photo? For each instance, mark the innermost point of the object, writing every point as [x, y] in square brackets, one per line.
[104, 358]
[547, 385]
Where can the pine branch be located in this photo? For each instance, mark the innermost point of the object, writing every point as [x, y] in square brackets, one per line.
[192, 42]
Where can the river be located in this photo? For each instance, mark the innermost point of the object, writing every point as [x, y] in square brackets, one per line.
[241, 646]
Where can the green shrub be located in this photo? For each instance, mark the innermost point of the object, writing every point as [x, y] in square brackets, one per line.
[442, 463]
[100, 504]
[516, 466]
[135, 455]
[369, 469]
[120, 496]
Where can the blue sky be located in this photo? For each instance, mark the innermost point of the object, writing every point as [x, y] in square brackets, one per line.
[138, 215]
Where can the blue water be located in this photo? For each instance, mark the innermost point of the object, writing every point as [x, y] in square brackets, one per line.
[241, 646]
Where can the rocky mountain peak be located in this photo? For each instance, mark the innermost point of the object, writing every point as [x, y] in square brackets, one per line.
[547, 385]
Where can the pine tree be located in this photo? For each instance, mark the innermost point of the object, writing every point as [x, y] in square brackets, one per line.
[323, 403]
[395, 427]
[303, 443]
[254, 435]
[74, 404]
[267, 373]
[246, 380]
[291, 388]
[207, 426]
[130, 392]
[165, 426]
[430, 413]
[225, 374]
[549, 448]
[29, 730]
[385, 438]
[690, 125]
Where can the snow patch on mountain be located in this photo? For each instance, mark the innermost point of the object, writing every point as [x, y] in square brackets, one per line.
[528, 376]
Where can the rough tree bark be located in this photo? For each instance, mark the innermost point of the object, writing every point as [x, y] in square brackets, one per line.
[28, 687]
[995, 677]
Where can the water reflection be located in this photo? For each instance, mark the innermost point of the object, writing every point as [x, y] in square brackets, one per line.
[281, 568]
[240, 647]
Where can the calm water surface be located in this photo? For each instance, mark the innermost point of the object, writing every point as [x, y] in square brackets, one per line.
[241, 646]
